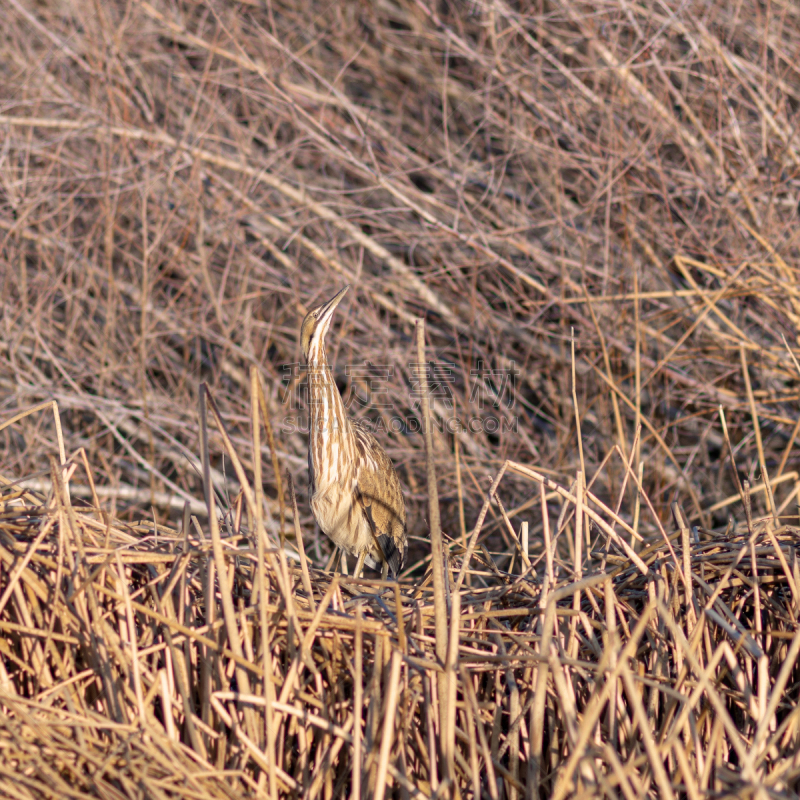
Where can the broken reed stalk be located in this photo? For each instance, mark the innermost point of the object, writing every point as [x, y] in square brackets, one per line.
[273, 451]
[298, 535]
[762, 462]
[388, 724]
[437, 547]
[257, 403]
[220, 562]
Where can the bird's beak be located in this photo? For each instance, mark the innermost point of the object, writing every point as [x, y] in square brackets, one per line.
[326, 312]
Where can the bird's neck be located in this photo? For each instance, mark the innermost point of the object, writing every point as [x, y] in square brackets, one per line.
[329, 421]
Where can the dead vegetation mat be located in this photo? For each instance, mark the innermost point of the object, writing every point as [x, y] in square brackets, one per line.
[140, 661]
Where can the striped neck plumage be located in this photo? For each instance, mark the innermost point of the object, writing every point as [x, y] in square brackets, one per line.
[328, 415]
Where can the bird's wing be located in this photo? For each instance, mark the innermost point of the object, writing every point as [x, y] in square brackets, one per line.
[381, 496]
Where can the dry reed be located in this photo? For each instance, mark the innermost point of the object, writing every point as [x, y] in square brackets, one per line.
[139, 658]
[594, 205]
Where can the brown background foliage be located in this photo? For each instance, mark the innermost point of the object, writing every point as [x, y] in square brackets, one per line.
[600, 198]
[202, 174]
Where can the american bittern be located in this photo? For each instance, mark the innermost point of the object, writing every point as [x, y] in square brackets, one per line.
[355, 493]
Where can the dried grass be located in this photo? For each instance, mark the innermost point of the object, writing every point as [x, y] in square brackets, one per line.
[602, 197]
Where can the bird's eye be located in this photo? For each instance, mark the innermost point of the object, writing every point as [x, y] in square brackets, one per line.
[315, 315]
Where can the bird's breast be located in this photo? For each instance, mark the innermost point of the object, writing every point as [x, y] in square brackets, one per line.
[340, 517]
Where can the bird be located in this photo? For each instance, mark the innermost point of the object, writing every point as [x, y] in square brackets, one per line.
[356, 496]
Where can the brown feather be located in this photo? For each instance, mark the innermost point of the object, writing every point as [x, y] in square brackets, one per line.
[381, 495]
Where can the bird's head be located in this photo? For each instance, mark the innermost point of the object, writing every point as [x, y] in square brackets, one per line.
[315, 326]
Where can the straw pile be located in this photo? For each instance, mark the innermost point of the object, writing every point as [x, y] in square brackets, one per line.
[143, 661]
[594, 206]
